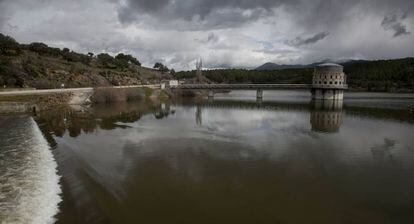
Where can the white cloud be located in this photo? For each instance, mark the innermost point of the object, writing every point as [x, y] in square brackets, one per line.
[224, 34]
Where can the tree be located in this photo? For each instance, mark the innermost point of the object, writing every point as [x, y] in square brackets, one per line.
[107, 61]
[161, 67]
[76, 57]
[8, 46]
[43, 49]
[172, 72]
[158, 65]
[127, 58]
[11, 81]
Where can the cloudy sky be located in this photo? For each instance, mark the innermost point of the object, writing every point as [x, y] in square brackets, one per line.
[224, 33]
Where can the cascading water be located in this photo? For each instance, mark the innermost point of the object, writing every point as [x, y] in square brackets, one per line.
[29, 184]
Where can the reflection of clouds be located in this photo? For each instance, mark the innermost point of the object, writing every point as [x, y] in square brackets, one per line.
[239, 142]
[246, 126]
[381, 151]
[274, 131]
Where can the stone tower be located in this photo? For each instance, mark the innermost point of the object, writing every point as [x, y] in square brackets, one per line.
[329, 82]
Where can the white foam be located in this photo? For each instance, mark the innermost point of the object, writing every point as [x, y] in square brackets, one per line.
[29, 184]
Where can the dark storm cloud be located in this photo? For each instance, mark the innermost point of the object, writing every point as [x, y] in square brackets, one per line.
[394, 22]
[331, 12]
[299, 41]
[2, 13]
[207, 13]
[216, 14]
[225, 33]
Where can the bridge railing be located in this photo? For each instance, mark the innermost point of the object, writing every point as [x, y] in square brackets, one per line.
[243, 86]
[329, 86]
[258, 86]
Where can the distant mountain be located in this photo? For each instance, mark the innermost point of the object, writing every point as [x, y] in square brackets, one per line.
[269, 66]
[273, 66]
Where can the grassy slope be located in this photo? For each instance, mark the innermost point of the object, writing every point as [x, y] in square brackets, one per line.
[31, 69]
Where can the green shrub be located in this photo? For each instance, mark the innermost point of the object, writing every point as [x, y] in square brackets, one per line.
[134, 94]
[11, 82]
[107, 61]
[147, 92]
[43, 49]
[107, 95]
[161, 67]
[76, 57]
[122, 58]
[8, 46]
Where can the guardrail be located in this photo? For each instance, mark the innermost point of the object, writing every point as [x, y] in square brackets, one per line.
[243, 86]
[258, 86]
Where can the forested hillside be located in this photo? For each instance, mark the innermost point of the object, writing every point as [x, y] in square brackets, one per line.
[380, 75]
[40, 66]
[252, 76]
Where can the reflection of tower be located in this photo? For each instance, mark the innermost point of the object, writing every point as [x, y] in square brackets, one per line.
[259, 101]
[326, 116]
[199, 118]
[199, 66]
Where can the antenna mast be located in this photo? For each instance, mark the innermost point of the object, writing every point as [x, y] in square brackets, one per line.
[199, 67]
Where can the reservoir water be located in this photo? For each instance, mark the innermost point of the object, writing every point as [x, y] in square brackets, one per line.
[228, 160]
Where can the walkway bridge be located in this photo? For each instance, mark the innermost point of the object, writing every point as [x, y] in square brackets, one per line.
[257, 86]
[243, 86]
[328, 83]
[334, 88]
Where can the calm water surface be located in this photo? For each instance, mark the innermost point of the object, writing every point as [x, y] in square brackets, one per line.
[232, 160]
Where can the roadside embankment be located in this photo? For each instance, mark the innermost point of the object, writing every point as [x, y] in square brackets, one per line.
[40, 100]
[33, 103]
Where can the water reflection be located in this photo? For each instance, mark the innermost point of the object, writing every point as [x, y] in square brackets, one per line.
[163, 110]
[75, 120]
[233, 162]
[326, 115]
[383, 151]
[199, 116]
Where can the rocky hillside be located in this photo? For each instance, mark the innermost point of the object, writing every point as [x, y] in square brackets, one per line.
[40, 66]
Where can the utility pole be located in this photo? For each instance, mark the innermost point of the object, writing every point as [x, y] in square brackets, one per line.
[199, 66]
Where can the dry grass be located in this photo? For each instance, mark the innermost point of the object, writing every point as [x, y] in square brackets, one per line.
[107, 95]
